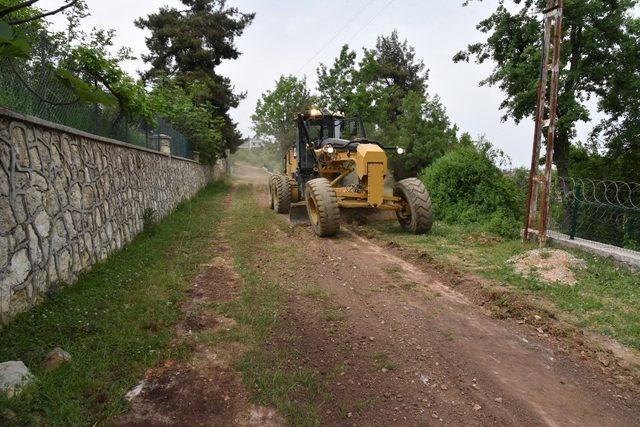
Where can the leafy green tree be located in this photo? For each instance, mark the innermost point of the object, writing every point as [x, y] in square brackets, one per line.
[386, 75]
[190, 44]
[95, 65]
[74, 58]
[341, 88]
[426, 133]
[388, 88]
[599, 60]
[196, 121]
[277, 109]
[15, 16]
[336, 85]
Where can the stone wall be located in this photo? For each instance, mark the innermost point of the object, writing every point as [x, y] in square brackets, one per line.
[68, 199]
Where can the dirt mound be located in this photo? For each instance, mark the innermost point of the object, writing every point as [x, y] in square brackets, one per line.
[550, 265]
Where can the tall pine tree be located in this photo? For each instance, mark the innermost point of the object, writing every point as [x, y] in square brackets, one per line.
[188, 45]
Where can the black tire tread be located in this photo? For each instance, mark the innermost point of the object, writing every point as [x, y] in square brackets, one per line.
[419, 201]
[282, 201]
[327, 205]
[271, 201]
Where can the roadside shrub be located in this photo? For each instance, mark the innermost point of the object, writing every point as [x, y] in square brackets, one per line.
[520, 178]
[466, 187]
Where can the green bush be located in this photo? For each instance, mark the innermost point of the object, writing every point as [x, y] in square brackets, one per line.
[466, 187]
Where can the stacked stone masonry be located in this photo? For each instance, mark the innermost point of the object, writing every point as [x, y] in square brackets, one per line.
[68, 199]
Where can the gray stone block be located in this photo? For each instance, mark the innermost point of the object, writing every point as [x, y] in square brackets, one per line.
[14, 376]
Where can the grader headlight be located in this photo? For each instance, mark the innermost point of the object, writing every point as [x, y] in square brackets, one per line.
[400, 150]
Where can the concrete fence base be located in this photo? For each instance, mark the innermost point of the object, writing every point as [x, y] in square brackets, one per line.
[621, 255]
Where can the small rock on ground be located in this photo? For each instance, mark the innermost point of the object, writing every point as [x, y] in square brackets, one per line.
[14, 376]
[135, 391]
[56, 358]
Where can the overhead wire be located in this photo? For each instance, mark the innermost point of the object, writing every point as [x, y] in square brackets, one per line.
[371, 20]
[343, 28]
[335, 36]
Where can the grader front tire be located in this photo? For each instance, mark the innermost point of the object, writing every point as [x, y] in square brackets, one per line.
[282, 194]
[322, 206]
[417, 215]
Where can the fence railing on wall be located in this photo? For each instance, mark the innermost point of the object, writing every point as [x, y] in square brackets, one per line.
[598, 210]
[31, 88]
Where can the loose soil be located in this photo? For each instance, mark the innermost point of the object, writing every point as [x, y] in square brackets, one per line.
[394, 339]
[448, 359]
[550, 265]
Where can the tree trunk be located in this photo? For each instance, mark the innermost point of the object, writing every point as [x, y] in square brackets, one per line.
[561, 153]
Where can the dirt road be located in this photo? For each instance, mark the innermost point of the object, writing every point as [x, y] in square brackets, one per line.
[393, 342]
[448, 359]
[244, 173]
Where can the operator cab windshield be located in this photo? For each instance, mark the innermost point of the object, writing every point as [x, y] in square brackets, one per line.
[315, 130]
[338, 128]
[349, 129]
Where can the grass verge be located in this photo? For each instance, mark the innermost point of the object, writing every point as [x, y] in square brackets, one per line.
[294, 392]
[606, 298]
[115, 321]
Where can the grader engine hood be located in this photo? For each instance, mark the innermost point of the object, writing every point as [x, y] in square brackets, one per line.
[371, 167]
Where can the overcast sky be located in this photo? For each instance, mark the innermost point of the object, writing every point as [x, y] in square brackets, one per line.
[288, 37]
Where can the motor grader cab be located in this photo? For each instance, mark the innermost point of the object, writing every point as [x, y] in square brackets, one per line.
[334, 166]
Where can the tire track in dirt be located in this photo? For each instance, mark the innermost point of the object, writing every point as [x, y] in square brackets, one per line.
[395, 343]
[206, 390]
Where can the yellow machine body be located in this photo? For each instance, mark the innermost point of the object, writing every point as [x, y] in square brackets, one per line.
[368, 162]
[334, 165]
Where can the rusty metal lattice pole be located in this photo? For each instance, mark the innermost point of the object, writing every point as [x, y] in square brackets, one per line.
[546, 117]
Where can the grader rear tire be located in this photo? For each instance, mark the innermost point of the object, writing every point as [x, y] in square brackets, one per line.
[322, 206]
[281, 194]
[417, 215]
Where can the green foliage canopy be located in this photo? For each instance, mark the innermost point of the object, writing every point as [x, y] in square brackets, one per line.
[388, 88]
[390, 71]
[336, 85]
[466, 186]
[600, 58]
[190, 44]
[195, 121]
[426, 133]
[84, 65]
[277, 109]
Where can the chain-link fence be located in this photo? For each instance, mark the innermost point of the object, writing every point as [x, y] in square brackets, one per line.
[30, 87]
[598, 210]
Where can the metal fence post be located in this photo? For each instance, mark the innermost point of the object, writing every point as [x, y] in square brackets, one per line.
[575, 210]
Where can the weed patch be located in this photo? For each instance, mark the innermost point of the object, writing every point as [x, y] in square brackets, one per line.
[116, 321]
[265, 374]
[315, 293]
[382, 361]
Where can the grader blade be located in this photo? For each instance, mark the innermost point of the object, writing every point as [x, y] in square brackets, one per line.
[298, 214]
[362, 216]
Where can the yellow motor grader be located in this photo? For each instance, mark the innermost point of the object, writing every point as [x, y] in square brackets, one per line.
[334, 166]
